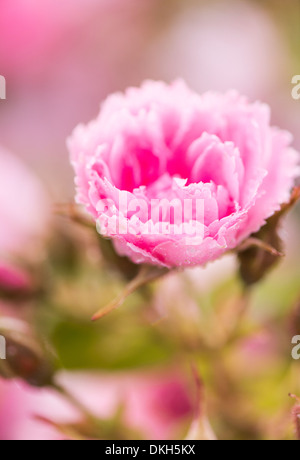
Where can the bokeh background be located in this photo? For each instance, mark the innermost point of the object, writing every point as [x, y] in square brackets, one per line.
[60, 60]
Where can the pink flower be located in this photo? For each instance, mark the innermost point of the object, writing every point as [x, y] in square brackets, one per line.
[34, 35]
[155, 405]
[24, 212]
[24, 206]
[161, 150]
[19, 406]
[31, 32]
[13, 279]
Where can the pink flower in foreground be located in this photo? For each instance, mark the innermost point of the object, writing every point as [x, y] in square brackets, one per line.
[178, 179]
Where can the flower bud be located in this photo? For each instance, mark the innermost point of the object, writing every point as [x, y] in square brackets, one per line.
[265, 247]
[25, 357]
[17, 284]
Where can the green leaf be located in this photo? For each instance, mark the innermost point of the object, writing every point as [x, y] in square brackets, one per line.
[109, 346]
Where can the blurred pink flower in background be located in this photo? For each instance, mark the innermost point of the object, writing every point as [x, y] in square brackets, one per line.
[19, 404]
[166, 142]
[29, 31]
[13, 278]
[154, 404]
[24, 207]
[24, 215]
[35, 34]
[257, 353]
[59, 60]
